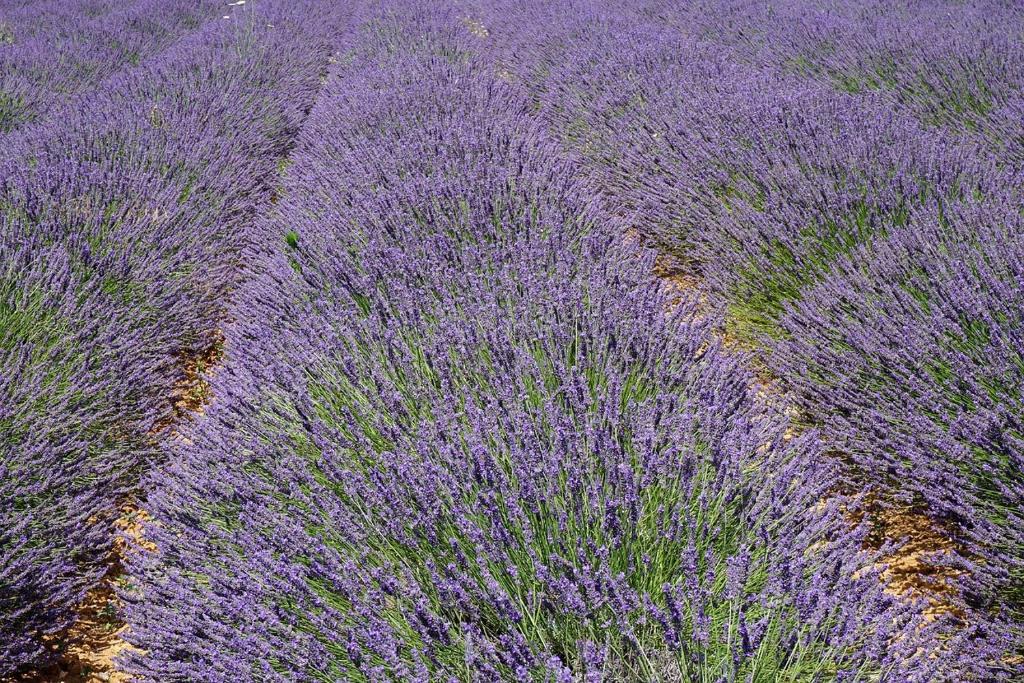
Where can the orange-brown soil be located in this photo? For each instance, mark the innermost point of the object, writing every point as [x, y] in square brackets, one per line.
[911, 569]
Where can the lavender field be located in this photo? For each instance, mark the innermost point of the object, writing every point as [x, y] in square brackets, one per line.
[574, 341]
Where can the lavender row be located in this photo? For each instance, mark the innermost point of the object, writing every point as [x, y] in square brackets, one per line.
[23, 19]
[462, 434]
[121, 225]
[79, 51]
[954, 65]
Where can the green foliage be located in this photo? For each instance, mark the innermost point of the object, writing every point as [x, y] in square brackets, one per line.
[13, 111]
[764, 287]
[23, 317]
